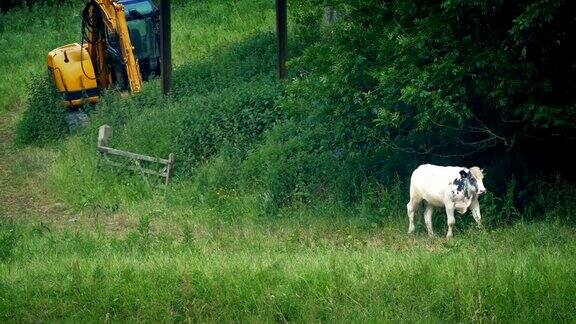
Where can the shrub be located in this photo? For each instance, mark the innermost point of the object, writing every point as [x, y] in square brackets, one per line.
[298, 162]
[551, 198]
[235, 117]
[44, 120]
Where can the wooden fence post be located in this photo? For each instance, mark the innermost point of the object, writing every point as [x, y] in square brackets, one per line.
[330, 16]
[104, 133]
[169, 168]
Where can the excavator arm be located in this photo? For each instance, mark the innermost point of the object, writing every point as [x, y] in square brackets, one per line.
[114, 19]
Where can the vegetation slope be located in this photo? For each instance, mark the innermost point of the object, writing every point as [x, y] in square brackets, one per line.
[289, 197]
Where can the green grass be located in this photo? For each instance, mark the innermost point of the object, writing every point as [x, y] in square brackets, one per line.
[299, 268]
[82, 243]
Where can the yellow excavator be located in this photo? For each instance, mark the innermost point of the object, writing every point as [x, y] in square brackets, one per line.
[120, 47]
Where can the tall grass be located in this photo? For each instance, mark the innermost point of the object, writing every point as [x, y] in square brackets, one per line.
[329, 270]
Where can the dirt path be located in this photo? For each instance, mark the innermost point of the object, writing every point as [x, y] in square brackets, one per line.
[8, 190]
[21, 192]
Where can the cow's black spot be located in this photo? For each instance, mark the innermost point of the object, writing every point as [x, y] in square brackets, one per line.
[460, 184]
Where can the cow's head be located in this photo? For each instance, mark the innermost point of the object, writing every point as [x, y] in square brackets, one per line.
[474, 179]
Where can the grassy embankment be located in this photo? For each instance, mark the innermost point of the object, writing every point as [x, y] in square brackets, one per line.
[78, 243]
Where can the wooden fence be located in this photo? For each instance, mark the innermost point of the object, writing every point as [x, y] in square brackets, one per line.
[104, 134]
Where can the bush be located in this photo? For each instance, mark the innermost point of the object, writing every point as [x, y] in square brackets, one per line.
[235, 117]
[294, 164]
[228, 101]
[551, 198]
[44, 120]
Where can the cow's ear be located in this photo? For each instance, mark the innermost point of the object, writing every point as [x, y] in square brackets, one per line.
[463, 173]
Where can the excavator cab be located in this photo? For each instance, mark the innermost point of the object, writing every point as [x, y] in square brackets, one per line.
[120, 47]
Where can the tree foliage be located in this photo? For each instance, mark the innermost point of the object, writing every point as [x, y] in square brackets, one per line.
[484, 82]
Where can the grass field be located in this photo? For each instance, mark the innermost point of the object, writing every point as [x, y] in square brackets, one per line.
[298, 268]
[81, 244]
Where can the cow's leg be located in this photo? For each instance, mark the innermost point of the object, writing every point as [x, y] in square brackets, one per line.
[450, 219]
[412, 208]
[475, 206]
[428, 219]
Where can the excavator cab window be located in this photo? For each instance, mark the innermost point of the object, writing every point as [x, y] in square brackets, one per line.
[144, 40]
[142, 18]
[141, 7]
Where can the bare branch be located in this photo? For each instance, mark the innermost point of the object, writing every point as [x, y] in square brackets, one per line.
[429, 150]
[474, 129]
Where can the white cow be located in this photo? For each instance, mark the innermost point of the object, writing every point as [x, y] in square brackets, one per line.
[454, 188]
